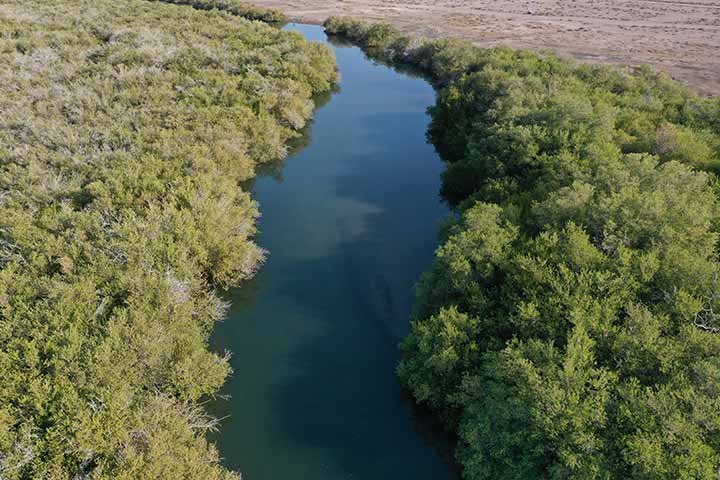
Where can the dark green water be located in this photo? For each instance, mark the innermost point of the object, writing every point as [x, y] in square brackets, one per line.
[350, 222]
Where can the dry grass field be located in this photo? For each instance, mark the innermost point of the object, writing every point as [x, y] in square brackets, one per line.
[681, 38]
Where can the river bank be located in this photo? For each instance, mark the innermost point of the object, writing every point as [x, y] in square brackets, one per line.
[679, 38]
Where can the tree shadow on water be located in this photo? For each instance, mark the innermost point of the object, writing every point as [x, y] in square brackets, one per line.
[274, 168]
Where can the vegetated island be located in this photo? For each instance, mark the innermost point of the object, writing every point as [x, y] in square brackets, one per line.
[568, 328]
[126, 127]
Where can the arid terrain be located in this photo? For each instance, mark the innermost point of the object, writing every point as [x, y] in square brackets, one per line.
[681, 38]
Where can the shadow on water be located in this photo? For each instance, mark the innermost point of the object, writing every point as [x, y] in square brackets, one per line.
[407, 69]
[351, 222]
[273, 169]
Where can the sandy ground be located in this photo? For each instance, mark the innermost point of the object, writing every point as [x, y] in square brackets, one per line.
[681, 38]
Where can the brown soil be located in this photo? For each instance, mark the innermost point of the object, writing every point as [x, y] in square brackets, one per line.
[681, 38]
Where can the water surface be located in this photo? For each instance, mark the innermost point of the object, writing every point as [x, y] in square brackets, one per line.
[350, 221]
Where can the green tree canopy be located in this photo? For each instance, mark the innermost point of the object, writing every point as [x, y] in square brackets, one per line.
[568, 327]
[126, 129]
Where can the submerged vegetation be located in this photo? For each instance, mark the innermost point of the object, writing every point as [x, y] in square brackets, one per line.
[568, 328]
[126, 127]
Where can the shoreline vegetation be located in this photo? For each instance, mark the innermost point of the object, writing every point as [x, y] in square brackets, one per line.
[568, 327]
[234, 7]
[126, 130]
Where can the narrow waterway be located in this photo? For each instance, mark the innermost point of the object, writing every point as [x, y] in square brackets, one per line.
[350, 221]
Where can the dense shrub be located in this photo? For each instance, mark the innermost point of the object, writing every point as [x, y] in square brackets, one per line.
[125, 129]
[235, 7]
[567, 328]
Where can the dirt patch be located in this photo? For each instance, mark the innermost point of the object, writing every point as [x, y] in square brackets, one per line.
[681, 38]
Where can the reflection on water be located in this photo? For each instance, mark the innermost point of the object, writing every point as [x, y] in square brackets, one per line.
[350, 220]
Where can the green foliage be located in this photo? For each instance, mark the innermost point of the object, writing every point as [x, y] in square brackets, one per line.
[126, 129]
[567, 328]
[235, 7]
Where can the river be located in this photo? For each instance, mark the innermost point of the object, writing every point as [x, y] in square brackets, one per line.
[350, 220]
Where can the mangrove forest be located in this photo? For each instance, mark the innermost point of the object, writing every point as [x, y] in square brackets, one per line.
[564, 327]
